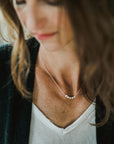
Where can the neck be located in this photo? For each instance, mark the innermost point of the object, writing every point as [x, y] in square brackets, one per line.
[63, 65]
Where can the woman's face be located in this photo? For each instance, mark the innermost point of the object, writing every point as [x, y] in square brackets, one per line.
[47, 21]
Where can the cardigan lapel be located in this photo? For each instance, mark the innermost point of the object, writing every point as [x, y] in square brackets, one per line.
[105, 133]
[24, 117]
[23, 123]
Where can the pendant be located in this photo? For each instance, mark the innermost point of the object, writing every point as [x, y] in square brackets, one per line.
[68, 97]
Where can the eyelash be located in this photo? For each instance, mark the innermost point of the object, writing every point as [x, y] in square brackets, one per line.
[55, 3]
[20, 2]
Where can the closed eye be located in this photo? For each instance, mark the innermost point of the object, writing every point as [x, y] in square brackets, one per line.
[50, 2]
[54, 2]
[20, 2]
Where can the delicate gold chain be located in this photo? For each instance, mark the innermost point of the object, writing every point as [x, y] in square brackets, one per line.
[67, 96]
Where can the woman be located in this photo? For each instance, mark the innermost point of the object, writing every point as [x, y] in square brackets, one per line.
[60, 86]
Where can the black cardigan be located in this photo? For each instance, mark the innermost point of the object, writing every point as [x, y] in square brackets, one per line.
[15, 111]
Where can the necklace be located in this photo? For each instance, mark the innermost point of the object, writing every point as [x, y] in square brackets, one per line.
[67, 96]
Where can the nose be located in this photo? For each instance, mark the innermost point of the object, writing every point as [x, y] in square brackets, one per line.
[35, 19]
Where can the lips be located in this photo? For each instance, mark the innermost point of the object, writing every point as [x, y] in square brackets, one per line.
[44, 36]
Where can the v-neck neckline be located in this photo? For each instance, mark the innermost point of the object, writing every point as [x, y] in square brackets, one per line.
[84, 117]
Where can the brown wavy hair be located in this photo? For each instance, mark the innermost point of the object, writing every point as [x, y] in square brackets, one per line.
[93, 25]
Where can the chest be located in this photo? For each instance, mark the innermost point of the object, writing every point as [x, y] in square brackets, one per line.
[59, 110]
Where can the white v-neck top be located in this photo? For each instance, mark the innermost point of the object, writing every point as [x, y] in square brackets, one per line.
[43, 131]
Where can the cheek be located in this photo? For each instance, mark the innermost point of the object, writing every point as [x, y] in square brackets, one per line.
[21, 17]
[64, 19]
[20, 14]
[65, 26]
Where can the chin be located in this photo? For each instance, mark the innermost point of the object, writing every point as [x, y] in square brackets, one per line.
[51, 47]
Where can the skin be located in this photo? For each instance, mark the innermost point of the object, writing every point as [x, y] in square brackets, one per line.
[59, 56]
